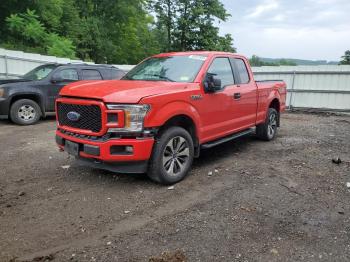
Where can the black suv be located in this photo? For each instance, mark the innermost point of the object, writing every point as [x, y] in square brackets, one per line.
[27, 99]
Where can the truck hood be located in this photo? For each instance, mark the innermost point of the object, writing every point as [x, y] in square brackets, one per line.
[10, 81]
[120, 91]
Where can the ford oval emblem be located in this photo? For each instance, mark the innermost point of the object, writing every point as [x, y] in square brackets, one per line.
[73, 116]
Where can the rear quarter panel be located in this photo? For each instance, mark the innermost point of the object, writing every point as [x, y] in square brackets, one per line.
[267, 92]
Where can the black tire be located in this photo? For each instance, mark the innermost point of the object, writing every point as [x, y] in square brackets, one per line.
[268, 130]
[169, 163]
[25, 112]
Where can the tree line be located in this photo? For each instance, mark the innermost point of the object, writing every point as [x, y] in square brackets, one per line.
[112, 31]
[257, 61]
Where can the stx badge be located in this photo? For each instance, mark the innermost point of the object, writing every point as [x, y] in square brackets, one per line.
[196, 97]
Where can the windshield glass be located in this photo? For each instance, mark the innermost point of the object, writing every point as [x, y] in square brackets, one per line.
[39, 72]
[171, 68]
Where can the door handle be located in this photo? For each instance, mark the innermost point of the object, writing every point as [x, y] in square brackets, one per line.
[237, 96]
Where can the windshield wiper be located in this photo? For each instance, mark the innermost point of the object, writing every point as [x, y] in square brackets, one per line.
[161, 77]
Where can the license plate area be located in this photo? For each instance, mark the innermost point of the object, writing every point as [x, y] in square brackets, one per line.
[72, 148]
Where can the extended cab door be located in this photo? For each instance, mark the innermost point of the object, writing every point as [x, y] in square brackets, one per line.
[244, 102]
[216, 107]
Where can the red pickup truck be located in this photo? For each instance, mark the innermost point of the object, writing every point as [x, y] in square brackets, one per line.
[159, 116]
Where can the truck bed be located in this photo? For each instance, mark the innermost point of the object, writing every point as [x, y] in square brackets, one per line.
[278, 88]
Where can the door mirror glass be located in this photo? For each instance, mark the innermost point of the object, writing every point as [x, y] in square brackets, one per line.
[212, 83]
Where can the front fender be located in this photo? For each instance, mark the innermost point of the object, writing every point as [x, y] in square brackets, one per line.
[159, 115]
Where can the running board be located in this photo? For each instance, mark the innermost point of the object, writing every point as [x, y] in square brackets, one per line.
[227, 138]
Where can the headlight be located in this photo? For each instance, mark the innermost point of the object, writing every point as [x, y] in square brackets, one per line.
[2, 92]
[133, 117]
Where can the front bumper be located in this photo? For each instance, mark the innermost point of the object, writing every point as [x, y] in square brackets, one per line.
[109, 153]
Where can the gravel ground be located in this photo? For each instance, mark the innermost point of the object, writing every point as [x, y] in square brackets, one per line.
[246, 200]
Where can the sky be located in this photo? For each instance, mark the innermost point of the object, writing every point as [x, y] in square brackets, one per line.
[304, 29]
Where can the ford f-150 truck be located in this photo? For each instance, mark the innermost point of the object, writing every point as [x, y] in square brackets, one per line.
[159, 116]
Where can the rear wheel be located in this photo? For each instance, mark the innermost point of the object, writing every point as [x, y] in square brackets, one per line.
[172, 156]
[268, 130]
[25, 112]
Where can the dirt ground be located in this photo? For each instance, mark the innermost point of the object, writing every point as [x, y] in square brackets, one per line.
[246, 200]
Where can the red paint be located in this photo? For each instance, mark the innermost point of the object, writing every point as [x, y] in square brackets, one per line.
[104, 111]
[215, 115]
[142, 148]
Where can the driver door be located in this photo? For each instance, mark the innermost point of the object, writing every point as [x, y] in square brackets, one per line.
[217, 106]
[59, 79]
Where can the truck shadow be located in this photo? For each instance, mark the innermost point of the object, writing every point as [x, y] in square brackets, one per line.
[230, 149]
[5, 122]
[8, 122]
[208, 158]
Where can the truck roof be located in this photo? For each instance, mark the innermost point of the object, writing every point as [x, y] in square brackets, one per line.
[205, 53]
[82, 64]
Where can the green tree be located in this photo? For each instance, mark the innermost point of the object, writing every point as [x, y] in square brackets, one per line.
[165, 11]
[33, 36]
[59, 46]
[104, 31]
[346, 58]
[112, 31]
[285, 62]
[255, 61]
[8, 7]
[50, 13]
[116, 31]
[190, 24]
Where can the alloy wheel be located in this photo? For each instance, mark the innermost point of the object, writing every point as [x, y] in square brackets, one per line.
[272, 125]
[176, 155]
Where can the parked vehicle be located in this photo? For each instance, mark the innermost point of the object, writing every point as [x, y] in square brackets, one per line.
[27, 99]
[159, 116]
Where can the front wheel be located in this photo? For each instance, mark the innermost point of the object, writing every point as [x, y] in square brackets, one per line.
[25, 112]
[172, 156]
[268, 130]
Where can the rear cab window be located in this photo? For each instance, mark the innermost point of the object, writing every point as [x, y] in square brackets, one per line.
[91, 74]
[241, 71]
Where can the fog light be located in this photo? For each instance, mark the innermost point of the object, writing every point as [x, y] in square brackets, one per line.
[121, 150]
[129, 149]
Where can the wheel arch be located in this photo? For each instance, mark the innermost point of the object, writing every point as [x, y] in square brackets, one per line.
[275, 104]
[31, 96]
[187, 123]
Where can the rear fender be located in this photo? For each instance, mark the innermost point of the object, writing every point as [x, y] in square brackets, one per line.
[273, 95]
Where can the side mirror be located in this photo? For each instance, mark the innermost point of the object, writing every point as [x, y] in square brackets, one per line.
[212, 84]
[56, 79]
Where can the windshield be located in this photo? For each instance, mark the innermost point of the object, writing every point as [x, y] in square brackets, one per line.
[171, 68]
[39, 72]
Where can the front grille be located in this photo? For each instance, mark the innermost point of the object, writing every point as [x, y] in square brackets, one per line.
[90, 116]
